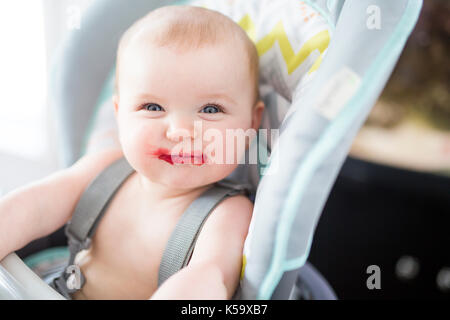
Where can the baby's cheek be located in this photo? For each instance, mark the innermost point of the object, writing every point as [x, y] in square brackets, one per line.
[136, 142]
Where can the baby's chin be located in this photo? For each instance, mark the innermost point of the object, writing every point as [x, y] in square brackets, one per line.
[190, 176]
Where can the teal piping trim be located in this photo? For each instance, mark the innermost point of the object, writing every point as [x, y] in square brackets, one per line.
[331, 136]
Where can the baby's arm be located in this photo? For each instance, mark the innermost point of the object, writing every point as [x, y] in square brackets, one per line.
[215, 266]
[42, 207]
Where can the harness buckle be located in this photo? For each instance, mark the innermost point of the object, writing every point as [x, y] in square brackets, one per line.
[71, 279]
[73, 276]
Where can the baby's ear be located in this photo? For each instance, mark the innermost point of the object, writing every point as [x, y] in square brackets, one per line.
[258, 110]
[257, 113]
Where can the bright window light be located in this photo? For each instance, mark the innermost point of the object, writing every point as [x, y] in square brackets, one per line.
[23, 78]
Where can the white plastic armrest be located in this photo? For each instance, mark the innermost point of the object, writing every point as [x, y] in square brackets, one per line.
[17, 281]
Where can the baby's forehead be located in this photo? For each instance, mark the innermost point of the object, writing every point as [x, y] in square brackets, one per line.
[215, 63]
[185, 27]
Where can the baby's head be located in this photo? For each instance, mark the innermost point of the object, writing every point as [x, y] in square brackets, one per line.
[184, 76]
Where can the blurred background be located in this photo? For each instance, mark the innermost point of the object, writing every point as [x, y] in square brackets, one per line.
[390, 205]
[410, 125]
[28, 138]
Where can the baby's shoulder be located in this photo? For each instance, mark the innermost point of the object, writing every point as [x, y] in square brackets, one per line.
[237, 203]
[90, 165]
[231, 213]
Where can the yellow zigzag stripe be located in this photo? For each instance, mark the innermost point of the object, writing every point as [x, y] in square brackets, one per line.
[247, 24]
[319, 42]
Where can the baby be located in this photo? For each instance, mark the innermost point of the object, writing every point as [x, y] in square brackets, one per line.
[178, 67]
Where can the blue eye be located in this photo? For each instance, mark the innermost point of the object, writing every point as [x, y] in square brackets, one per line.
[152, 107]
[210, 109]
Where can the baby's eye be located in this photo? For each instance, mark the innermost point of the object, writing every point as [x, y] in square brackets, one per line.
[212, 109]
[152, 107]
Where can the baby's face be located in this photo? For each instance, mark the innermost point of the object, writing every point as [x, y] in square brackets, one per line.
[172, 103]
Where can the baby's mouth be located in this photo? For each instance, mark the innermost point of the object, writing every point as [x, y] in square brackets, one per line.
[196, 158]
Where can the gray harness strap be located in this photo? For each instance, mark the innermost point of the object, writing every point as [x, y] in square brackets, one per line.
[182, 241]
[94, 201]
[92, 206]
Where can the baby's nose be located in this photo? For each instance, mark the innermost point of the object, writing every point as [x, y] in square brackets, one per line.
[180, 130]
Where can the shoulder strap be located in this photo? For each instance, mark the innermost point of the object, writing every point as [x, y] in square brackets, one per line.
[88, 212]
[95, 200]
[182, 241]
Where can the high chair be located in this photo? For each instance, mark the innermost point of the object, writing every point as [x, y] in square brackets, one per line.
[323, 64]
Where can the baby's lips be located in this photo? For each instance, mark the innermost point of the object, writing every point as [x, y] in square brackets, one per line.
[195, 159]
[158, 152]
